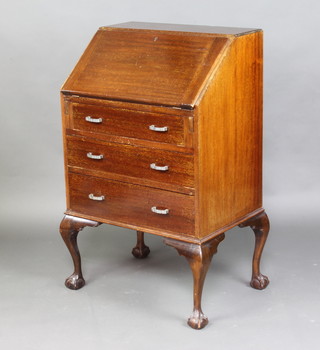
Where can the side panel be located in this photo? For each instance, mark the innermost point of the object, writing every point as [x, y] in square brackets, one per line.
[229, 157]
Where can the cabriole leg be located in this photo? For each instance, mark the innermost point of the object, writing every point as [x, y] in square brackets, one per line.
[140, 251]
[69, 229]
[199, 257]
[260, 226]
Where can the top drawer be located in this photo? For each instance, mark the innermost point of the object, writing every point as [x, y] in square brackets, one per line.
[130, 123]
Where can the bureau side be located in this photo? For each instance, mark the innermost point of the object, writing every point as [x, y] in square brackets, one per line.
[229, 139]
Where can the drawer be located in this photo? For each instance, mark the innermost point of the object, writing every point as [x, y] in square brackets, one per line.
[103, 120]
[149, 164]
[129, 204]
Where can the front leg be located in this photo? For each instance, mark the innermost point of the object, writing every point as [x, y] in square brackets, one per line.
[199, 257]
[260, 226]
[69, 229]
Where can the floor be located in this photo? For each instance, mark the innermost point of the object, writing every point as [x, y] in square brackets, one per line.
[144, 304]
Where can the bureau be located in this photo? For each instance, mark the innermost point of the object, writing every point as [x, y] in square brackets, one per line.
[162, 130]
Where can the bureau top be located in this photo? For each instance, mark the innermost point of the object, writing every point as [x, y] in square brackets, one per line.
[151, 63]
[185, 28]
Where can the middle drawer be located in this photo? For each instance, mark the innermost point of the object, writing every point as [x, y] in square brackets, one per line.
[147, 164]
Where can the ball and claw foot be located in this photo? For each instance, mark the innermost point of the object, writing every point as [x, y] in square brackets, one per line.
[74, 282]
[140, 253]
[197, 320]
[259, 282]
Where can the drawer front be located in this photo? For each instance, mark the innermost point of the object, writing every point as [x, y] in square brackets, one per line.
[129, 123]
[136, 205]
[139, 162]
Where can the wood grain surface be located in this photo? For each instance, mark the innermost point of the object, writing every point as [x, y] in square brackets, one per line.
[165, 68]
[128, 203]
[131, 161]
[228, 129]
[129, 123]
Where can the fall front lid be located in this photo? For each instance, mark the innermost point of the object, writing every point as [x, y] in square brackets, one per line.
[156, 67]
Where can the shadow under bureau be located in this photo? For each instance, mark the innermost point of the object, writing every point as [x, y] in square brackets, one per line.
[162, 130]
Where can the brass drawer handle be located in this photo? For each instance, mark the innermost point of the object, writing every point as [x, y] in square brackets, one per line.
[160, 211]
[94, 156]
[93, 120]
[96, 198]
[158, 129]
[159, 168]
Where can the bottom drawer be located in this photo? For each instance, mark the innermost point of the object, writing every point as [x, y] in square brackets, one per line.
[129, 204]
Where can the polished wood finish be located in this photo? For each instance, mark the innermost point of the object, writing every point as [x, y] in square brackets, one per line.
[199, 257]
[260, 226]
[69, 229]
[205, 85]
[131, 161]
[125, 202]
[163, 68]
[129, 123]
[75, 123]
[140, 251]
[230, 116]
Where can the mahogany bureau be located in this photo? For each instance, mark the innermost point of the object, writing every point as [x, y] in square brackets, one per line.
[162, 128]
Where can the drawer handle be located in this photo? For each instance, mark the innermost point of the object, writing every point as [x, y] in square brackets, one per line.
[157, 128]
[94, 156]
[159, 168]
[160, 211]
[93, 120]
[96, 198]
